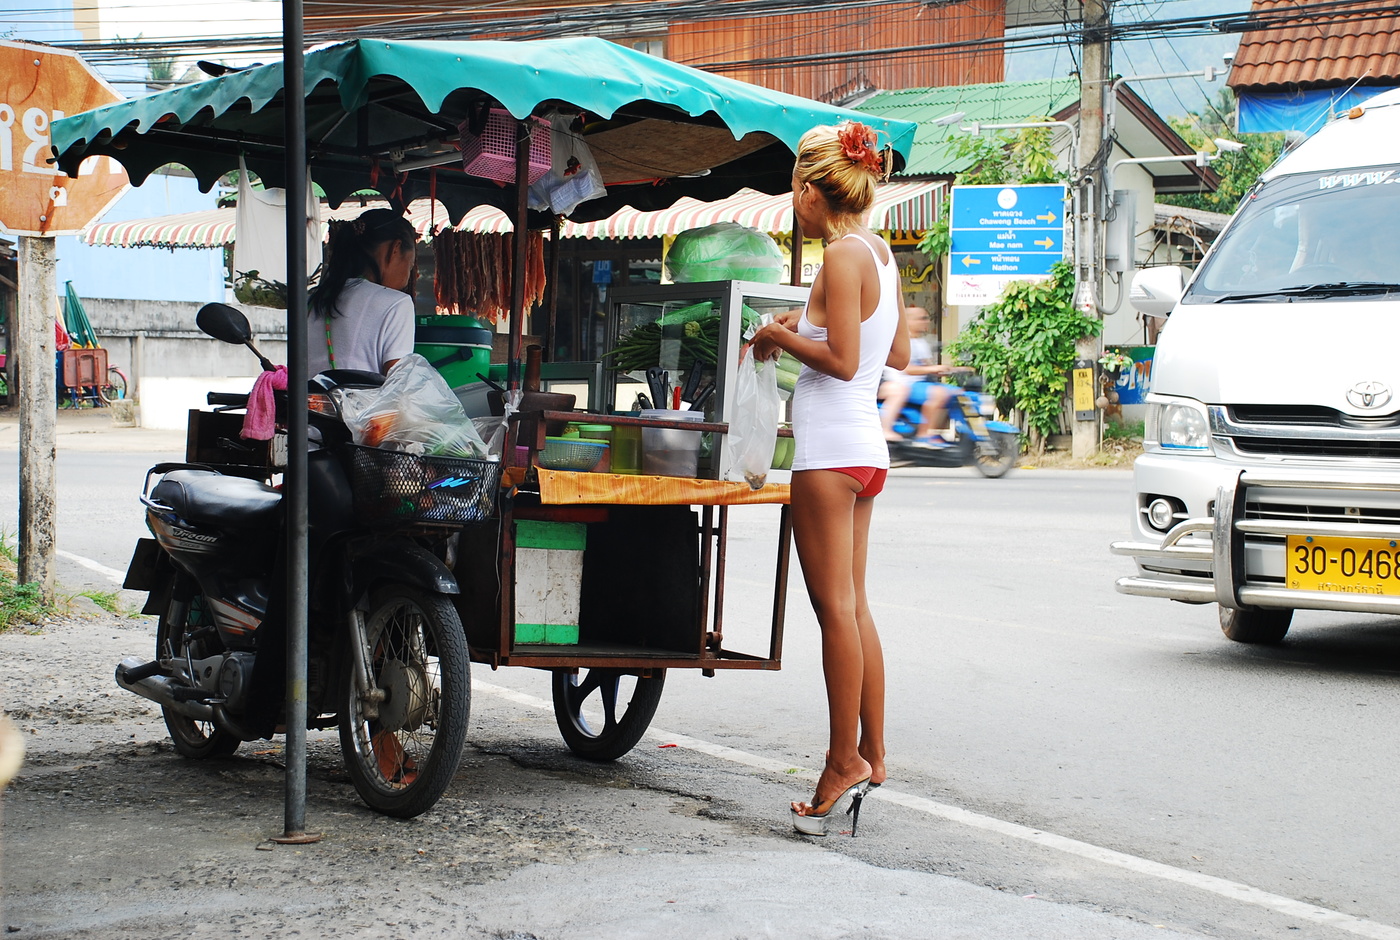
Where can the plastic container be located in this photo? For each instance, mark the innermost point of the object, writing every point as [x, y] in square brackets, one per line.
[599, 432]
[626, 449]
[671, 452]
[458, 347]
[491, 154]
[572, 453]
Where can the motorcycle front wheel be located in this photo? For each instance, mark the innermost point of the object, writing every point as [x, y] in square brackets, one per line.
[198, 740]
[403, 752]
[996, 457]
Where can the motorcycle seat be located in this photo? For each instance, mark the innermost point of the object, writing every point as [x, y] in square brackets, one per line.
[203, 496]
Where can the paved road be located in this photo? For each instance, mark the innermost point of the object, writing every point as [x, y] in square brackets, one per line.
[1039, 722]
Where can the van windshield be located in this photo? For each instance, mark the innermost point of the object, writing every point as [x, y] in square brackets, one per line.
[1309, 235]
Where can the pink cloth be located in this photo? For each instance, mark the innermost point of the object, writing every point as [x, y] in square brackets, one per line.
[260, 420]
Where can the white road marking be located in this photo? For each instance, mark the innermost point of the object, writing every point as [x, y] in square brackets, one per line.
[111, 574]
[1233, 890]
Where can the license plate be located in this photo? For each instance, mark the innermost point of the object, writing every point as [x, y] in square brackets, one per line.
[1348, 566]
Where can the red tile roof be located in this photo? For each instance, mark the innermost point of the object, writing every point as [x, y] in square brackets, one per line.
[1318, 44]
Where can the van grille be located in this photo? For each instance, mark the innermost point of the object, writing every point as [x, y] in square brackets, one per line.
[1309, 416]
[1316, 447]
[1305, 432]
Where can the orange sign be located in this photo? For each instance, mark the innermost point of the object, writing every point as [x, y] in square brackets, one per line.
[38, 85]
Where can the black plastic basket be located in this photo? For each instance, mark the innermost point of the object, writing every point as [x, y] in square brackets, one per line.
[393, 488]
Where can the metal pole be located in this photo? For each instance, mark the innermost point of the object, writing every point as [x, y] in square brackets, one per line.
[551, 297]
[522, 249]
[38, 288]
[1093, 83]
[294, 481]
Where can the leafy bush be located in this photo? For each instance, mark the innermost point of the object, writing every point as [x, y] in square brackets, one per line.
[1023, 345]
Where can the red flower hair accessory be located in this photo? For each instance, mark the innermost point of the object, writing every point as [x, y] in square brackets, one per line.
[860, 145]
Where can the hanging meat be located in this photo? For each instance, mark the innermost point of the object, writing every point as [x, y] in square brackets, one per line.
[473, 272]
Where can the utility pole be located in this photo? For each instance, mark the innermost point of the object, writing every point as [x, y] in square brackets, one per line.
[1094, 82]
[37, 505]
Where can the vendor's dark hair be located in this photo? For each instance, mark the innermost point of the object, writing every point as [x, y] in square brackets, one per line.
[351, 254]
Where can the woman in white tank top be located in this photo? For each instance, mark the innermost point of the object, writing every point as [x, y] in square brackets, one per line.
[848, 332]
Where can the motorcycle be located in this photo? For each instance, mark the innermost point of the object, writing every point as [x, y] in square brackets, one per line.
[989, 445]
[388, 658]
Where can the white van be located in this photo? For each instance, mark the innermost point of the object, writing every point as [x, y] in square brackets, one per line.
[1270, 474]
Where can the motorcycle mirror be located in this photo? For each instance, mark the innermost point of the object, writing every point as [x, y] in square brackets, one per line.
[229, 325]
[226, 324]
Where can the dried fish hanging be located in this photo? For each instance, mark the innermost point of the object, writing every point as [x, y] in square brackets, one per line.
[473, 273]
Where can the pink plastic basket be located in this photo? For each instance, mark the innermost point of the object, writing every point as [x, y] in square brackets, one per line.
[492, 154]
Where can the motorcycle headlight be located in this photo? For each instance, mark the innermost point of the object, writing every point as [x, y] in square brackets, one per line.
[1178, 425]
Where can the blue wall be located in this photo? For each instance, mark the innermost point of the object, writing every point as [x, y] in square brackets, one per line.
[127, 273]
[188, 274]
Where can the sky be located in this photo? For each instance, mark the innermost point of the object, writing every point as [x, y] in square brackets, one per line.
[1169, 98]
[51, 21]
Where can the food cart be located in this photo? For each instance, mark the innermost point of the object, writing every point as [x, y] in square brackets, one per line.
[394, 116]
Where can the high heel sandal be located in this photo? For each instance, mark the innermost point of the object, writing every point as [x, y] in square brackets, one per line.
[814, 824]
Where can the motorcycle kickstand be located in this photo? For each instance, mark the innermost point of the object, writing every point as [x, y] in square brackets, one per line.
[370, 696]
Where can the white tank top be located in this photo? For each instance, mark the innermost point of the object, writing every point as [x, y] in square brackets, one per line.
[837, 423]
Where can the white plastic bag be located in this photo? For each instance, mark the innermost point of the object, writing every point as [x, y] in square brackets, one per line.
[413, 411]
[753, 428]
[573, 178]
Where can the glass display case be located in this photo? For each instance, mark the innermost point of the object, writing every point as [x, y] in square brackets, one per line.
[691, 333]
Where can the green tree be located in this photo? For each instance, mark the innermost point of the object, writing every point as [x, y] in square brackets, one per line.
[1238, 171]
[1023, 345]
[1023, 157]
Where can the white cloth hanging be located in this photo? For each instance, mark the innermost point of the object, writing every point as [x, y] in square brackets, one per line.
[261, 243]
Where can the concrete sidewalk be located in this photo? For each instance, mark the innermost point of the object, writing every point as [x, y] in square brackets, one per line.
[91, 430]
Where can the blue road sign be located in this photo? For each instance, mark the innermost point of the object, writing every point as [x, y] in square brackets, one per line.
[1004, 233]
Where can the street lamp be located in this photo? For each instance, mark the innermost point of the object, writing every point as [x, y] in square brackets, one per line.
[1110, 106]
[977, 127]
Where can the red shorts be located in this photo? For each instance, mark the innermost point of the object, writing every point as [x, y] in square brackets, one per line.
[871, 479]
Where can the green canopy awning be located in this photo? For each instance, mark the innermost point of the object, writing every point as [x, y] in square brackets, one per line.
[663, 130]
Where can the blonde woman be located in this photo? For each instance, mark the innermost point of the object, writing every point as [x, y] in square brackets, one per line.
[848, 332]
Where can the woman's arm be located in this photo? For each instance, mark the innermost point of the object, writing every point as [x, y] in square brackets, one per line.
[899, 353]
[840, 281]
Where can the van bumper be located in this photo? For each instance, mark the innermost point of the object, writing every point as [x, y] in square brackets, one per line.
[1230, 547]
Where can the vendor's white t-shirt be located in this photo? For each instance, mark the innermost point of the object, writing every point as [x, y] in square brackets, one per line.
[372, 325]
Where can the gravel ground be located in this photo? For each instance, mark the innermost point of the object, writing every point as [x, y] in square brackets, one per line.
[109, 834]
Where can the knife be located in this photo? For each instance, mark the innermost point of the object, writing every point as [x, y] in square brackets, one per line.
[655, 386]
[702, 396]
[692, 382]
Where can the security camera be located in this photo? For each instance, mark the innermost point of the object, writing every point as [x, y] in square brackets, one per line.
[1229, 146]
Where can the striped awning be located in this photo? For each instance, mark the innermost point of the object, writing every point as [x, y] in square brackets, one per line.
[902, 206]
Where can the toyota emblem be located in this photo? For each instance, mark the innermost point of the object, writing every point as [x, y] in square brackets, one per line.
[1369, 394]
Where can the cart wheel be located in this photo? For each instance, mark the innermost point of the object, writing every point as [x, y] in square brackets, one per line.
[603, 690]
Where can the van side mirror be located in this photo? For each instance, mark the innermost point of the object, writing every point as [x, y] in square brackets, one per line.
[1155, 291]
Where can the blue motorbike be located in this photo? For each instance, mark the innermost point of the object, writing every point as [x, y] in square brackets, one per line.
[990, 446]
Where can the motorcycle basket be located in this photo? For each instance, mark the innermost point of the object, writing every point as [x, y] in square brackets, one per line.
[392, 488]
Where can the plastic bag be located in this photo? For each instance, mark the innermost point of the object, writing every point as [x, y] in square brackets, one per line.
[413, 411]
[573, 177]
[753, 429]
[724, 251]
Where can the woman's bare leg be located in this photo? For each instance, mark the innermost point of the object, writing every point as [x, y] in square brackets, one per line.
[823, 504]
[872, 686]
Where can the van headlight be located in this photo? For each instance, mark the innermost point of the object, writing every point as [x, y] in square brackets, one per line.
[1179, 425]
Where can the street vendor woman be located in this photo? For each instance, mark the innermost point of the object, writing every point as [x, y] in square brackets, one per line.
[360, 316]
[848, 332]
